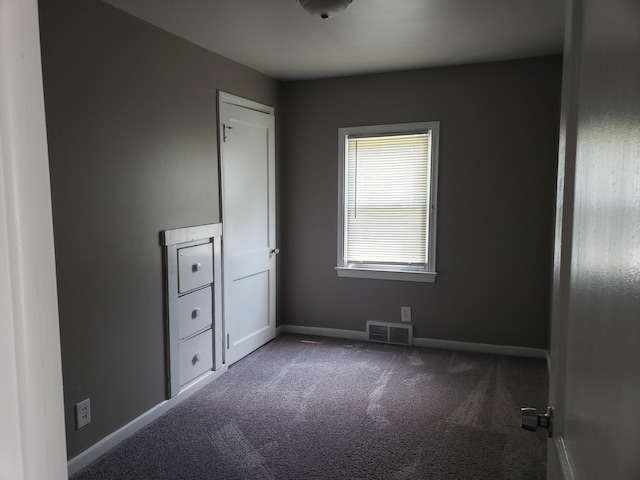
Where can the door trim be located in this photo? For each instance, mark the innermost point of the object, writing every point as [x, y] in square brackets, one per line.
[32, 439]
[563, 237]
[234, 100]
[224, 97]
[562, 456]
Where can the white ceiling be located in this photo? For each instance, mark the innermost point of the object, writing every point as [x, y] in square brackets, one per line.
[280, 39]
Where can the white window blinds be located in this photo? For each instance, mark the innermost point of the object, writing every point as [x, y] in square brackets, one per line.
[387, 199]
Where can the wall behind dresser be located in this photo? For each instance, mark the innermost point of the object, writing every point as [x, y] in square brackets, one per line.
[131, 119]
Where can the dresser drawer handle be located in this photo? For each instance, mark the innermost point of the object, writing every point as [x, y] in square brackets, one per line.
[195, 359]
[195, 313]
[196, 267]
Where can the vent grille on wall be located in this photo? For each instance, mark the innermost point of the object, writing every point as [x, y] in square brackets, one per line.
[385, 332]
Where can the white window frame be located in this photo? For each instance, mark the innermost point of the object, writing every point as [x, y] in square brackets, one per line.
[389, 272]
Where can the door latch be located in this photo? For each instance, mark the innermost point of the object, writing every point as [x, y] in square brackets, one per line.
[275, 251]
[532, 420]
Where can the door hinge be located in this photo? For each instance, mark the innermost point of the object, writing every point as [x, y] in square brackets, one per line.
[227, 341]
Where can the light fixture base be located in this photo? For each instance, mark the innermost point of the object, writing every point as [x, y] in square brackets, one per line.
[324, 8]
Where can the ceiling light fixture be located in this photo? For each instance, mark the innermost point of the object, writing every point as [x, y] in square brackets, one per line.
[324, 8]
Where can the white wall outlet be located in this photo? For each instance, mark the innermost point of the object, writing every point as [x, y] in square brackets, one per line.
[83, 413]
[405, 314]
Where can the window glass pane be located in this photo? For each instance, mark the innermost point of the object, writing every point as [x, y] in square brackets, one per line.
[387, 199]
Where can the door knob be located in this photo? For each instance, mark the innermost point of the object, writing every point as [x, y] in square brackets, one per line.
[275, 250]
[532, 420]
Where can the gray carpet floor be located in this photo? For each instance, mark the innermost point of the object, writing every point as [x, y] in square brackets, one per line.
[318, 408]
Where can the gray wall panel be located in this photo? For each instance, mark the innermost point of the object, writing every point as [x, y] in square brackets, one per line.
[131, 118]
[498, 151]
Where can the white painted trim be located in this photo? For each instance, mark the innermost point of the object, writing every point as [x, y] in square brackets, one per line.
[480, 347]
[218, 319]
[563, 235]
[172, 241]
[224, 97]
[226, 103]
[325, 332]
[82, 460]
[372, 273]
[190, 234]
[422, 342]
[563, 457]
[32, 435]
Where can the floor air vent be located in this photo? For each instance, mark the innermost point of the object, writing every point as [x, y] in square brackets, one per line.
[384, 332]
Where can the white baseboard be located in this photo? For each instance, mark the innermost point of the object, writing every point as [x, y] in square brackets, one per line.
[563, 458]
[481, 348]
[82, 460]
[325, 332]
[422, 342]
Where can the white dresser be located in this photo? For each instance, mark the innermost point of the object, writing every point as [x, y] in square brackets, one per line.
[193, 303]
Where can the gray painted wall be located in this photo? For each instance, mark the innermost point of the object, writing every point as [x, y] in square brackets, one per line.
[498, 155]
[131, 119]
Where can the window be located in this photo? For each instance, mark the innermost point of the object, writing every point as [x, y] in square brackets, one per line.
[387, 210]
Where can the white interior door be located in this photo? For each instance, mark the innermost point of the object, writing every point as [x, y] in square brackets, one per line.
[247, 152]
[595, 360]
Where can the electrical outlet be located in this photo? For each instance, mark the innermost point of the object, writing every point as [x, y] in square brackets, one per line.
[405, 314]
[83, 413]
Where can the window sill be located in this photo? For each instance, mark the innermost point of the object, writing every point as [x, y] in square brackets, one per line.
[381, 274]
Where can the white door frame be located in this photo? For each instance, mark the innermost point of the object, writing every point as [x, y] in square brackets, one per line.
[32, 434]
[224, 97]
[558, 460]
[227, 98]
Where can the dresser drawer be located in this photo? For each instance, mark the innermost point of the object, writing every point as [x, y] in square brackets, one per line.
[195, 267]
[196, 356]
[194, 310]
